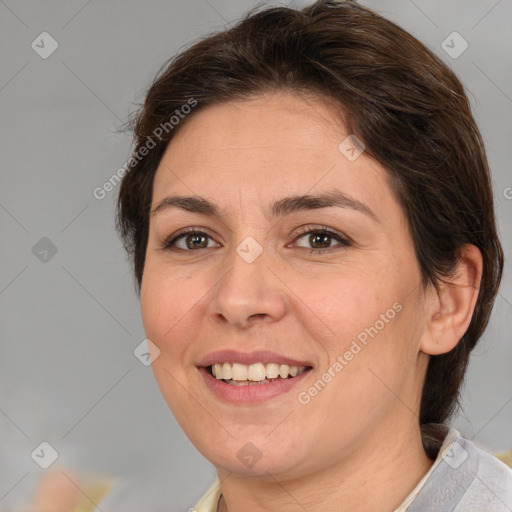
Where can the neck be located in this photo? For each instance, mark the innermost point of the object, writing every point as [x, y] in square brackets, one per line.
[378, 477]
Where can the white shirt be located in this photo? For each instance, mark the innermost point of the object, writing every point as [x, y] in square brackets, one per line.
[463, 478]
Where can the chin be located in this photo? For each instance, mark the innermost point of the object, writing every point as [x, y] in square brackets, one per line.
[259, 458]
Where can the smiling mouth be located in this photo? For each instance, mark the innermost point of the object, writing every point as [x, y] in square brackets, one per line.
[238, 374]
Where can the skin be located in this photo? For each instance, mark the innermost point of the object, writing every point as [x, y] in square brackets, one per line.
[356, 445]
[57, 491]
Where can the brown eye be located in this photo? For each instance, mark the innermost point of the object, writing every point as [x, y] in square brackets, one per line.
[196, 241]
[188, 241]
[320, 239]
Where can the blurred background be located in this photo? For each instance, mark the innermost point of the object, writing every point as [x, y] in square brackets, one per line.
[77, 401]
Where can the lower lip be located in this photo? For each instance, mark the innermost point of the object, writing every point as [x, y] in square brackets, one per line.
[250, 394]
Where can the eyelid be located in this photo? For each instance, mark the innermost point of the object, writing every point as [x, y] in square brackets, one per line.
[170, 241]
[343, 240]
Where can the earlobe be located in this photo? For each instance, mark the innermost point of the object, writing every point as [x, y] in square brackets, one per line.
[450, 308]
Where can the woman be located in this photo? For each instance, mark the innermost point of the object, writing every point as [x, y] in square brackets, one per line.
[310, 218]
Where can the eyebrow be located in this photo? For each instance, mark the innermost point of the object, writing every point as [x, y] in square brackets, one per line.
[279, 208]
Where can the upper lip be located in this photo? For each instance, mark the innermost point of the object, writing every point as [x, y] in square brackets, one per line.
[260, 356]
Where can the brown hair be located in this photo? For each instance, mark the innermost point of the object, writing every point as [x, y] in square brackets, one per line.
[402, 101]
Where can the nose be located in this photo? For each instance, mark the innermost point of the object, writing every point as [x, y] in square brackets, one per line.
[249, 293]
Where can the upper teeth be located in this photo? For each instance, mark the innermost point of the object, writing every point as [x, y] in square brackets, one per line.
[254, 372]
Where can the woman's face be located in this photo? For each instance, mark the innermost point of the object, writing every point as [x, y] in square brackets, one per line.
[264, 281]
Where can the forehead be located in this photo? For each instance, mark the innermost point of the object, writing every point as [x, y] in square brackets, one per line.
[264, 122]
[266, 147]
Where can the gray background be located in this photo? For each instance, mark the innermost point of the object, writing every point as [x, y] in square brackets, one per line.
[69, 324]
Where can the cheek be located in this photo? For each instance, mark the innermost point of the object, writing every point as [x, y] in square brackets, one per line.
[351, 303]
[371, 327]
[168, 304]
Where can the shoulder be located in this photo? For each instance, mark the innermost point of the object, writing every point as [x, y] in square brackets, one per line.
[491, 487]
[208, 503]
[465, 478]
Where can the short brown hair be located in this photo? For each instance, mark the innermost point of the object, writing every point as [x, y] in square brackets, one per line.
[402, 101]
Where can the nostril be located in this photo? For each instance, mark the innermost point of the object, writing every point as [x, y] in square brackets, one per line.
[257, 315]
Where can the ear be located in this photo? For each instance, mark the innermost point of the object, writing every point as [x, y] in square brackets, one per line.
[450, 309]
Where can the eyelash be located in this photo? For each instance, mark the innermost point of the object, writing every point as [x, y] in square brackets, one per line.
[343, 241]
